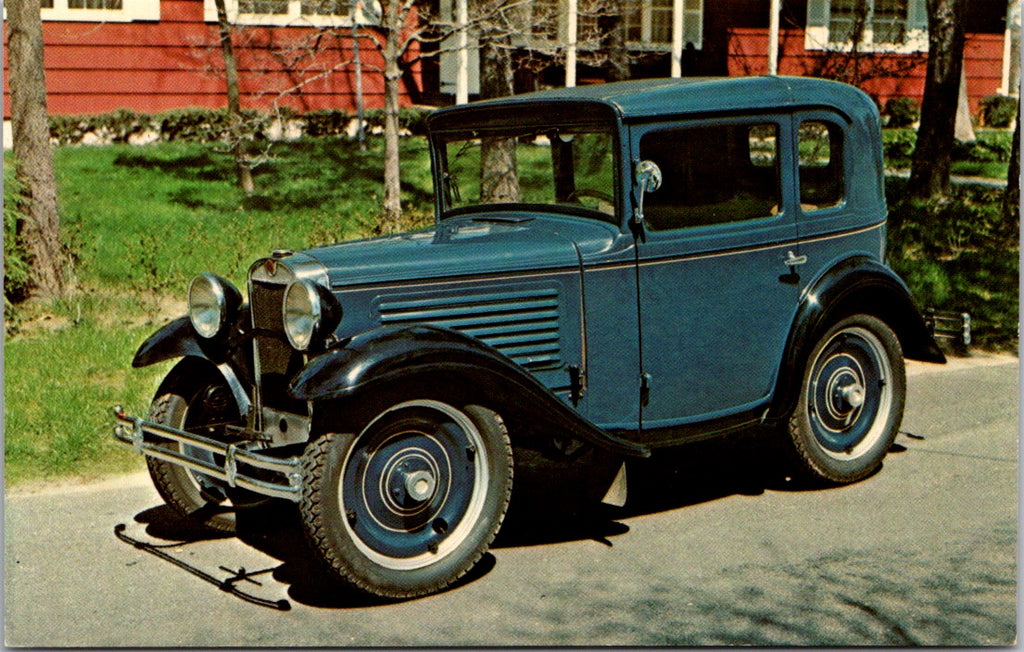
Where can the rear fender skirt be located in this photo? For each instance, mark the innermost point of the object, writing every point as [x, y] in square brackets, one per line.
[855, 285]
[394, 353]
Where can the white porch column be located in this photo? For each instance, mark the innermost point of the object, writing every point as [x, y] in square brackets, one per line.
[462, 71]
[572, 27]
[1011, 50]
[677, 38]
[773, 37]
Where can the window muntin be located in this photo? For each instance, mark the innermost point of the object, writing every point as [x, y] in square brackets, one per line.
[713, 174]
[564, 169]
[111, 11]
[821, 165]
[296, 12]
[875, 25]
[648, 23]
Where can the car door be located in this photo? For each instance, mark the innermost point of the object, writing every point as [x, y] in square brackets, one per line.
[716, 293]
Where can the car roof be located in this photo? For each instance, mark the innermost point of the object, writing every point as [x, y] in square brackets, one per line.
[656, 98]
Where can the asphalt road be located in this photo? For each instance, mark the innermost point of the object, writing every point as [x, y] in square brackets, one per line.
[705, 552]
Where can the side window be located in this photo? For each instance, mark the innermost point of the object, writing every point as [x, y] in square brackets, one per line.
[821, 165]
[712, 174]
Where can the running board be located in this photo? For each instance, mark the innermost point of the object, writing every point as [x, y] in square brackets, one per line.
[229, 584]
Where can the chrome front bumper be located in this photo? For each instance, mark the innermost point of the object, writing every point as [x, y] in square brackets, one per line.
[133, 431]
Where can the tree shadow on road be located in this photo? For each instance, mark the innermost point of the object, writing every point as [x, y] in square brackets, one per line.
[275, 529]
[554, 502]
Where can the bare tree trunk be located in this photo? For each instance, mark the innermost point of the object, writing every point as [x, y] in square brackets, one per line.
[1011, 199]
[499, 178]
[932, 160]
[40, 231]
[394, 20]
[614, 41]
[227, 49]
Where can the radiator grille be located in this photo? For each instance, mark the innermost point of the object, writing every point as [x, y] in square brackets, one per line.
[278, 362]
[522, 325]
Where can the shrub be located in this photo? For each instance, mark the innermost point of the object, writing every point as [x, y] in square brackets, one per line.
[898, 144]
[998, 110]
[959, 254]
[902, 111]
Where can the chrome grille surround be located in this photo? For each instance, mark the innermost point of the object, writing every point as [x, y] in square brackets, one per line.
[274, 361]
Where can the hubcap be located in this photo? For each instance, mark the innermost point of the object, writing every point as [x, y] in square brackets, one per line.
[411, 488]
[849, 398]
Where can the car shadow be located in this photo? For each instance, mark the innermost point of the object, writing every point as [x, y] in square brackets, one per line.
[547, 508]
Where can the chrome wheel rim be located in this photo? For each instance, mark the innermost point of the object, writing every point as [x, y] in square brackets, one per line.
[413, 484]
[850, 395]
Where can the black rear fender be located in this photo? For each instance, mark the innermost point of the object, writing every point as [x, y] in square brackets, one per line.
[857, 285]
[367, 369]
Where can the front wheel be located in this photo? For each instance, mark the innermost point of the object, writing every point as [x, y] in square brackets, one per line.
[412, 503]
[851, 401]
[194, 397]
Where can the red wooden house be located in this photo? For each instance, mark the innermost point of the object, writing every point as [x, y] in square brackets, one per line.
[154, 55]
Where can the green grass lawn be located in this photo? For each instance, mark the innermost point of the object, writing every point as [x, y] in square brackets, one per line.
[141, 222]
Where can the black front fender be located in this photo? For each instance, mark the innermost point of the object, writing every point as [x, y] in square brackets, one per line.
[174, 340]
[394, 353]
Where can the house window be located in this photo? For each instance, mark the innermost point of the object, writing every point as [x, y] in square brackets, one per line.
[871, 25]
[296, 12]
[649, 23]
[107, 11]
[549, 21]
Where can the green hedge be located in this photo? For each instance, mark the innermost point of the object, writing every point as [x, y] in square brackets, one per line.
[214, 125]
[990, 146]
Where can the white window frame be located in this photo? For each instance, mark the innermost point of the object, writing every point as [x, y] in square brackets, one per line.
[816, 36]
[293, 18]
[647, 27]
[132, 10]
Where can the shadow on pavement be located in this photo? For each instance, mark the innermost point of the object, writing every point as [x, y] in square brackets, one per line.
[553, 502]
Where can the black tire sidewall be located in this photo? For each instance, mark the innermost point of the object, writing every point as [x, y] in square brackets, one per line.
[324, 465]
[813, 461]
[173, 482]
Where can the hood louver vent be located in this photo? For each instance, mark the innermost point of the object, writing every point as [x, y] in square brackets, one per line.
[522, 325]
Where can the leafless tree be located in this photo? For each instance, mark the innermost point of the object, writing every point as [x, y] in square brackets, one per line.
[932, 159]
[243, 168]
[40, 230]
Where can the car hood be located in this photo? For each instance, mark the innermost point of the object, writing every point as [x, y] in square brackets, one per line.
[465, 247]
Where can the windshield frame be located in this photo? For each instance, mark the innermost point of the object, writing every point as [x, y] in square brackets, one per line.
[517, 118]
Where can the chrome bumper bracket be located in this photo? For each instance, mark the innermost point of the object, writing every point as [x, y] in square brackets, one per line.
[132, 431]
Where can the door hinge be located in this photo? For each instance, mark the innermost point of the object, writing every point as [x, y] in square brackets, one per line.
[645, 389]
[577, 383]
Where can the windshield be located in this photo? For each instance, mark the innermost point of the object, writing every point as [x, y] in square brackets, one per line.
[568, 169]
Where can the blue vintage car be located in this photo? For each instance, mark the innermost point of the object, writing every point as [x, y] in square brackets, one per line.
[617, 268]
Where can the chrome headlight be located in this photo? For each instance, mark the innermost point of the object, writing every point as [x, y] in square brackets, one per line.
[213, 303]
[309, 310]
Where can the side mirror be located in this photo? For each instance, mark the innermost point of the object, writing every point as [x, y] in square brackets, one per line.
[648, 179]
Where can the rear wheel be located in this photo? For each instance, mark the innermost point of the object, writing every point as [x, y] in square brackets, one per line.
[412, 503]
[195, 398]
[851, 401]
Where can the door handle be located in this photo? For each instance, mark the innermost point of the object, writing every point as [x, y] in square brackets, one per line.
[792, 260]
